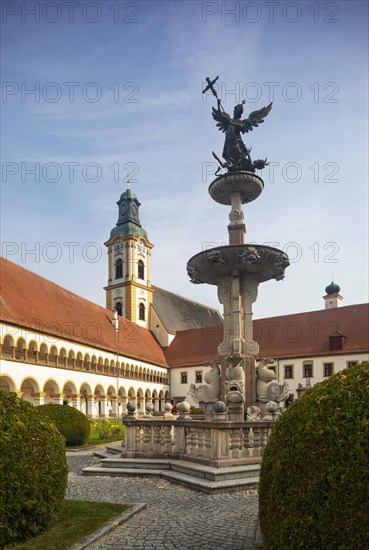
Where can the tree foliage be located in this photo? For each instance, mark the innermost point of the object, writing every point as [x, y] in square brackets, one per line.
[71, 423]
[33, 470]
[314, 479]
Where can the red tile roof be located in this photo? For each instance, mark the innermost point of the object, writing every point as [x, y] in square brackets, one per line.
[194, 346]
[295, 335]
[32, 301]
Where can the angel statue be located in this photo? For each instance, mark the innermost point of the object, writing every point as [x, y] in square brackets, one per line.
[235, 153]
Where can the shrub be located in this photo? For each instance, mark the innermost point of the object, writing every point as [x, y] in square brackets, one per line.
[107, 430]
[71, 423]
[33, 470]
[314, 479]
[196, 410]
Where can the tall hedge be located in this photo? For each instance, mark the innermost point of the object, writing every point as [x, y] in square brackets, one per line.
[314, 479]
[33, 470]
[71, 423]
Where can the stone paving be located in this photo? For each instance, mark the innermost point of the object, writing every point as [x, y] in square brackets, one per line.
[175, 517]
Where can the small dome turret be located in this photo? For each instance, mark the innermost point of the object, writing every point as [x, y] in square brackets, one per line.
[332, 297]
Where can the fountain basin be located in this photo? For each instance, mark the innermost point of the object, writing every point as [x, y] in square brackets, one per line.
[244, 184]
[261, 262]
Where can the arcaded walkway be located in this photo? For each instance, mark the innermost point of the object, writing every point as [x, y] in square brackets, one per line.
[175, 518]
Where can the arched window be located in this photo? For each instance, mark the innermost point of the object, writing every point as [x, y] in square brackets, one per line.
[118, 269]
[141, 312]
[118, 307]
[141, 269]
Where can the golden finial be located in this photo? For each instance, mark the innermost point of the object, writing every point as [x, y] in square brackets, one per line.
[129, 180]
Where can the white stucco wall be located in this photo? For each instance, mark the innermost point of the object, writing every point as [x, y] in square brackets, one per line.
[14, 372]
[340, 362]
[160, 332]
[180, 390]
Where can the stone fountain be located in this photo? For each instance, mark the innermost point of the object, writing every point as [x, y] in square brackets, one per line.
[240, 400]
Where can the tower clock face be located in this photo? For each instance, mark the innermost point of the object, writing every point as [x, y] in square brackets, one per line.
[123, 210]
[134, 209]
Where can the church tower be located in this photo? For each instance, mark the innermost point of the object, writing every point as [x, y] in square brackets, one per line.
[129, 287]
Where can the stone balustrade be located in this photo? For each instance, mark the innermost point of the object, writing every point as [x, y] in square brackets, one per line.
[217, 443]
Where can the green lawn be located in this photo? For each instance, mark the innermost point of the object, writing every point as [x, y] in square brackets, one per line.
[76, 520]
[95, 437]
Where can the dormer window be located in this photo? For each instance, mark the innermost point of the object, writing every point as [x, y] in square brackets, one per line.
[140, 269]
[336, 341]
[118, 269]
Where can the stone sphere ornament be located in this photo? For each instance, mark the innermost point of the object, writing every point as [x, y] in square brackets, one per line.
[168, 407]
[131, 407]
[149, 407]
[272, 407]
[184, 407]
[273, 411]
[220, 407]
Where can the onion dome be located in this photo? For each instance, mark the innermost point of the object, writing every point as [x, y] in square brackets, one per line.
[129, 219]
[332, 289]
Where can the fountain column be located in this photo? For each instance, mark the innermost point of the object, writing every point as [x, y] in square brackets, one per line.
[237, 270]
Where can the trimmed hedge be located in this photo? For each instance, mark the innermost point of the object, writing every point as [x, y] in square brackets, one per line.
[71, 423]
[314, 479]
[33, 470]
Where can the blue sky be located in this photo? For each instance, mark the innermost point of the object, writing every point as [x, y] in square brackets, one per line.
[118, 87]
